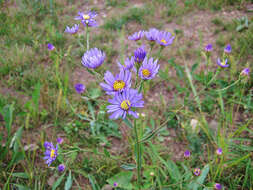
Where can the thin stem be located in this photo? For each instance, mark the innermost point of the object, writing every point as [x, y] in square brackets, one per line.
[214, 77]
[138, 155]
[230, 85]
[87, 37]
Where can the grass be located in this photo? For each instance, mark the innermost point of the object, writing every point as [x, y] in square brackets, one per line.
[38, 101]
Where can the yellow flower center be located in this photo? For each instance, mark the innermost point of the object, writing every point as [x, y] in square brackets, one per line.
[223, 63]
[119, 85]
[125, 105]
[86, 17]
[52, 154]
[146, 72]
[163, 41]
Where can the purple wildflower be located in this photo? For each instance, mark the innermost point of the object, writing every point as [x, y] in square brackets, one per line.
[209, 48]
[50, 47]
[152, 34]
[93, 58]
[139, 54]
[217, 186]
[187, 154]
[245, 72]
[219, 151]
[115, 184]
[197, 171]
[148, 69]
[164, 38]
[119, 83]
[87, 19]
[128, 64]
[80, 88]
[50, 153]
[228, 49]
[61, 167]
[59, 140]
[137, 35]
[73, 29]
[222, 63]
[123, 102]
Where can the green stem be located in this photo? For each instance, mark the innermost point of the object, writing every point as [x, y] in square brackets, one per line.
[87, 37]
[229, 85]
[138, 155]
[214, 77]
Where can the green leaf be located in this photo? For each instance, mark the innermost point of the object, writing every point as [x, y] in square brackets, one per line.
[93, 182]
[21, 175]
[8, 117]
[128, 166]
[22, 187]
[107, 154]
[58, 182]
[68, 183]
[123, 179]
[91, 110]
[95, 93]
[179, 69]
[173, 170]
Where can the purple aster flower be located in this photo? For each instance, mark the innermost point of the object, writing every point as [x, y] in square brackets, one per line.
[228, 49]
[128, 64]
[50, 153]
[47, 145]
[119, 83]
[73, 29]
[61, 167]
[148, 69]
[87, 19]
[197, 171]
[59, 140]
[50, 47]
[137, 35]
[187, 154]
[139, 54]
[209, 48]
[219, 151]
[217, 186]
[152, 34]
[115, 184]
[93, 58]
[80, 88]
[222, 63]
[164, 38]
[245, 72]
[122, 103]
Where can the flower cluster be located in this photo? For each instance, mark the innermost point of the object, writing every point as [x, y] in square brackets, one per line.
[125, 99]
[163, 38]
[87, 19]
[51, 153]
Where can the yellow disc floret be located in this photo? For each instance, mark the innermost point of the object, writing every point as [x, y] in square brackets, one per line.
[86, 17]
[52, 153]
[118, 85]
[223, 63]
[163, 41]
[125, 105]
[146, 72]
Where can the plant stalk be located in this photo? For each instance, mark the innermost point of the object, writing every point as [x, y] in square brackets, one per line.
[87, 38]
[138, 155]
